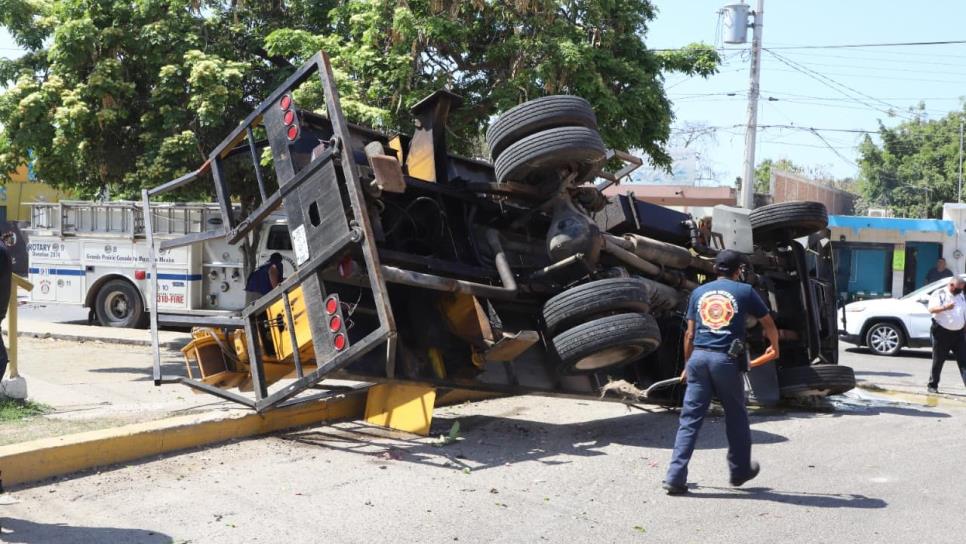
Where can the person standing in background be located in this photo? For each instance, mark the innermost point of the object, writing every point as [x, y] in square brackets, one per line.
[6, 270]
[948, 309]
[939, 271]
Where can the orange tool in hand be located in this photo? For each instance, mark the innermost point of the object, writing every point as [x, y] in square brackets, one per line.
[769, 355]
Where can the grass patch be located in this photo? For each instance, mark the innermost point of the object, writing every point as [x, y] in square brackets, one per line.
[15, 410]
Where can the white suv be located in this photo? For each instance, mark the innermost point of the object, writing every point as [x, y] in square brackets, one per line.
[886, 325]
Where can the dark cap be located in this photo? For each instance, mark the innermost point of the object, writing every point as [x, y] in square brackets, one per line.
[729, 260]
[275, 258]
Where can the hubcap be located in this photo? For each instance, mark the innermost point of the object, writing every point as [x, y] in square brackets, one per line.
[609, 357]
[117, 306]
[884, 339]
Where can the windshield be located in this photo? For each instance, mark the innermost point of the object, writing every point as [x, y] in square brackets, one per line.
[927, 289]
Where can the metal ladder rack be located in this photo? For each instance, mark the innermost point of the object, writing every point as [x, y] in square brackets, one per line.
[123, 218]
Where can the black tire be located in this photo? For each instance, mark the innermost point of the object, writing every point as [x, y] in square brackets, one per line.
[885, 338]
[595, 299]
[787, 220]
[536, 116]
[607, 342]
[118, 304]
[536, 158]
[815, 380]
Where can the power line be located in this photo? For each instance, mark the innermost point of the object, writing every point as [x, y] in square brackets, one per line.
[858, 45]
[835, 46]
[809, 54]
[881, 68]
[835, 85]
[889, 78]
[832, 149]
[839, 99]
[781, 126]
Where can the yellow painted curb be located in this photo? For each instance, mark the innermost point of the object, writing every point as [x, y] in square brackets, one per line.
[36, 460]
[39, 459]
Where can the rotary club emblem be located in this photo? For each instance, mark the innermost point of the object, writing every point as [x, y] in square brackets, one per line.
[716, 309]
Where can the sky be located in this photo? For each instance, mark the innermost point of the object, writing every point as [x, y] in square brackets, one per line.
[845, 89]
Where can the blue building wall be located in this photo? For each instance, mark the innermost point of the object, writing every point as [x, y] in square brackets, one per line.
[885, 256]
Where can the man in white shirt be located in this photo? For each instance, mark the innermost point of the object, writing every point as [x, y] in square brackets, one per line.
[948, 309]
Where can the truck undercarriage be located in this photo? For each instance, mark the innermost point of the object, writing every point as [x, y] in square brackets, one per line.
[520, 277]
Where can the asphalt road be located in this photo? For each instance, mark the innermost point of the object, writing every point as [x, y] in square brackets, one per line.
[533, 469]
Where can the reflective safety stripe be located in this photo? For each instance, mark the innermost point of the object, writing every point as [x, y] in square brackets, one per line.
[70, 272]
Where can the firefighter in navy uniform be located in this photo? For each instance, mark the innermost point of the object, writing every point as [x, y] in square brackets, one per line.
[714, 348]
[266, 277]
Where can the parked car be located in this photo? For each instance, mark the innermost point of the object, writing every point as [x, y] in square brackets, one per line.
[887, 325]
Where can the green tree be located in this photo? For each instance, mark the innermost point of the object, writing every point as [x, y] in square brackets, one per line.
[914, 169]
[124, 95]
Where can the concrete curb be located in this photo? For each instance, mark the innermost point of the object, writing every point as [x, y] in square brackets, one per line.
[37, 460]
[105, 340]
[81, 338]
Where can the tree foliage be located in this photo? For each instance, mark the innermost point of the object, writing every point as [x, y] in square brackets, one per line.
[914, 169]
[128, 94]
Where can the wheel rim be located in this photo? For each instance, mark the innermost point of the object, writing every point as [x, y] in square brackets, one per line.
[608, 357]
[118, 306]
[884, 339]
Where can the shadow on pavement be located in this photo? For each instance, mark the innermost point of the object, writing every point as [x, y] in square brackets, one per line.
[490, 441]
[811, 500]
[882, 373]
[917, 353]
[167, 370]
[19, 530]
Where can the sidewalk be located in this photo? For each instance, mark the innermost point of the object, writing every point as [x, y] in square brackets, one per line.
[31, 328]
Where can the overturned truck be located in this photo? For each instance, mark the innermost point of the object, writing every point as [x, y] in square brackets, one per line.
[517, 277]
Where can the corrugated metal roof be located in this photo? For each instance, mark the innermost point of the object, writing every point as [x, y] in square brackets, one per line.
[857, 222]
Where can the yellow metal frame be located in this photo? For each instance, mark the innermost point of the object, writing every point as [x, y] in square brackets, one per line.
[279, 329]
[403, 407]
[18, 282]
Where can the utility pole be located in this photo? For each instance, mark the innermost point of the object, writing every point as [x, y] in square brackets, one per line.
[960, 159]
[747, 197]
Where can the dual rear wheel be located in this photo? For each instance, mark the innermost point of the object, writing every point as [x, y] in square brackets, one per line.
[535, 141]
[600, 325]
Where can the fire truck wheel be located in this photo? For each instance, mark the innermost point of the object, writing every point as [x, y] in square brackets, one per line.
[118, 304]
[595, 299]
[787, 221]
[815, 380]
[538, 115]
[538, 157]
[606, 343]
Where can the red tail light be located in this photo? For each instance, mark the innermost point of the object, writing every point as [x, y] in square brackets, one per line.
[140, 274]
[339, 342]
[292, 132]
[335, 324]
[288, 117]
[331, 305]
[285, 103]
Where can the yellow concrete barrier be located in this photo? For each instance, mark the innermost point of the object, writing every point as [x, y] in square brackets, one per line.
[37, 460]
[40, 459]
